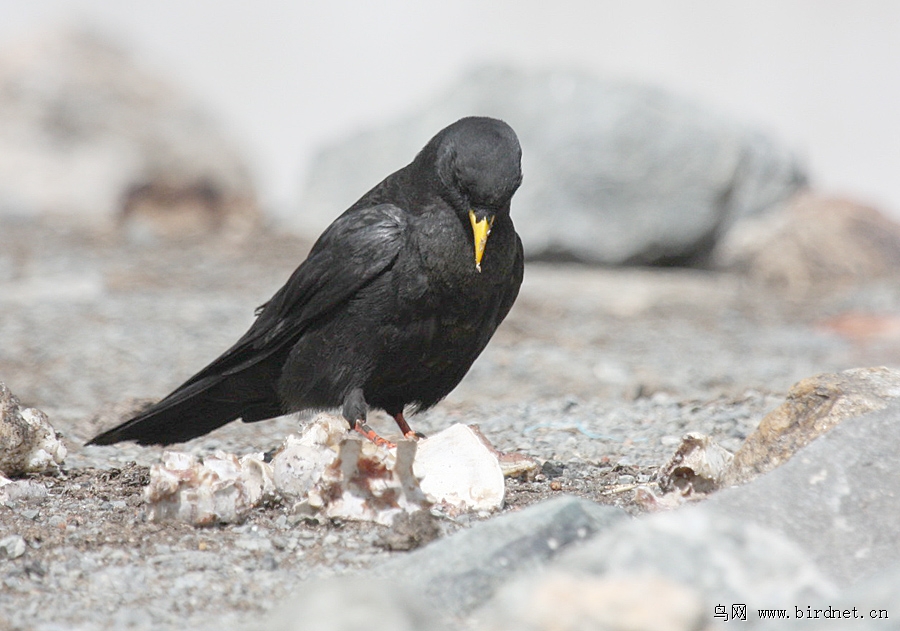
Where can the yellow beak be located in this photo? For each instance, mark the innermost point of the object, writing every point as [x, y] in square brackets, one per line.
[480, 231]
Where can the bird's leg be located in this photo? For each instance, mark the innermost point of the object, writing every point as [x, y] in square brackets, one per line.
[354, 410]
[363, 428]
[405, 428]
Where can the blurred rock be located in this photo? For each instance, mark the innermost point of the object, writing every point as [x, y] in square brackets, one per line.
[560, 601]
[458, 573]
[725, 559]
[817, 244]
[354, 604]
[867, 606]
[340, 476]
[864, 328]
[457, 470]
[410, 531]
[300, 461]
[696, 468]
[28, 444]
[12, 546]
[329, 472]
[217, 489]
[837, 497]
[86, 133]
[615, 173]
[813, 407]
[368, 482]
[21, 492]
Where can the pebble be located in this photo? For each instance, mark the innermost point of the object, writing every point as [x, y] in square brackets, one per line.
[254, 544]
[57, 521]
[330, 539]
[279, 542]
[13, 546]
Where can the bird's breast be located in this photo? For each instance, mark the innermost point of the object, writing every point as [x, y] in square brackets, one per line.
[440, 296]
[445, 251]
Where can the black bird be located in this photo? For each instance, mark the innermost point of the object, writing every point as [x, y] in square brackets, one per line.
[391, 307]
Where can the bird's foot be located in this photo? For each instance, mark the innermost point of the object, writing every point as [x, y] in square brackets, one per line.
[408, 432]
[363, 428]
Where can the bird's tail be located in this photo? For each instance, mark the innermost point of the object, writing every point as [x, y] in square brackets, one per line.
[198, 407]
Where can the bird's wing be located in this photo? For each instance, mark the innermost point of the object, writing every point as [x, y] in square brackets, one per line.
[357, 248]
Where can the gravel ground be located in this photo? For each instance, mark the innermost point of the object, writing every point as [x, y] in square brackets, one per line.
[597, 372]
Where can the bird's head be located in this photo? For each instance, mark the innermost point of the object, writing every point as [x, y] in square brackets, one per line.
[478, 161]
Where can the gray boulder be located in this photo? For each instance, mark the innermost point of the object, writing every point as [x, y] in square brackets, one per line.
[351, 603]
[615, 173]
[837, 497]
[727, 560]
[456, 574]
[668, 571]
[867, 606]
[87, 134]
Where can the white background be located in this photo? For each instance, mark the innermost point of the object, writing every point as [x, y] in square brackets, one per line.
[284, 77]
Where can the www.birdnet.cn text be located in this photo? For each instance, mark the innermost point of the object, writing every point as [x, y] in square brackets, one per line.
[740, 612]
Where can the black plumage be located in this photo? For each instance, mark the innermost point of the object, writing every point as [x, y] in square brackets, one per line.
[391, 307]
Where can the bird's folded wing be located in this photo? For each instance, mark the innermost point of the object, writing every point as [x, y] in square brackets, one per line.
[357, 248]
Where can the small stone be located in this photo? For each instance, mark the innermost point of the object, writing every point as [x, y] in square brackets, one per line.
[669, 441]
[300, 461]
[28, 444]
[368, 482]
[553, 469]
[457, 469]
[269, 563]
[57, 521]
[330, 539]
[696, 468]
[410, 530]
[12, 546]
[280, 543]
[220, 488]
[253, 544]
[13, 492]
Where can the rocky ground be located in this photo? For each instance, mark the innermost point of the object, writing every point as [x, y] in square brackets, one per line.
[597, 373]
